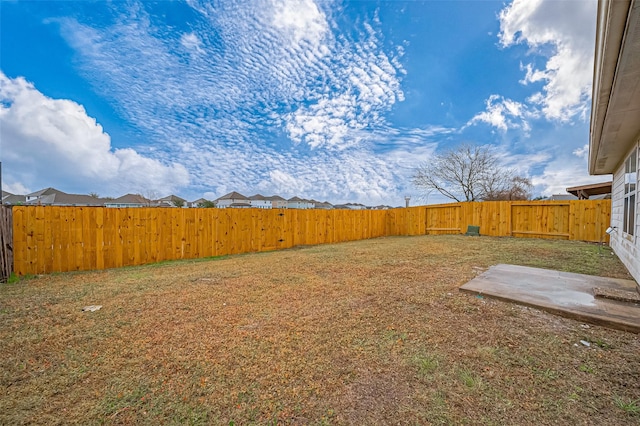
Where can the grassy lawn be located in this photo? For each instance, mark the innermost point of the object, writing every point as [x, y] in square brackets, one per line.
[367, 332]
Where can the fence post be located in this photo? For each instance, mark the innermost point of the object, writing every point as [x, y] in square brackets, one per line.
[6, 243]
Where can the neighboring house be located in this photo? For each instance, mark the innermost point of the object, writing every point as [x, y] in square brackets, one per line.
[561, 197]
[129, 200]
[594, 191]
[323, 206]
[358, 206]
[232, 199]
[55, 197]
[39, 195]
[299, 203]
[614, 140]
[9, 199]
[200, 202]
[171, 201]
[573, 195]
[355, 206]
[277, 202]
[260, 202]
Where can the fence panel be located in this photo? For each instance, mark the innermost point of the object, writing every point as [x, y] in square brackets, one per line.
[444, 219]
[589, 220]
[493, 217]
[540, 220]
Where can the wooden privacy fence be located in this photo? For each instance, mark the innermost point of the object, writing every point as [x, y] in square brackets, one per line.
[582, 220]
[57, 239]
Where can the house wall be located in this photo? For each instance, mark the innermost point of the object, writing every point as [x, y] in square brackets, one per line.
[260, 204]
[300, 205]
[627, 247]
[226, 202]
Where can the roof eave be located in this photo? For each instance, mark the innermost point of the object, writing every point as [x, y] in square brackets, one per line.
[611, 26]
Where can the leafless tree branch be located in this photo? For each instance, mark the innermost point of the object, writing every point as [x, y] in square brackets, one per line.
[471, 173]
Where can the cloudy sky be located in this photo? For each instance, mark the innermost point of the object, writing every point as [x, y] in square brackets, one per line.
[331, 100]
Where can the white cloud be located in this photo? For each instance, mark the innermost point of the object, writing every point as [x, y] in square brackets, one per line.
[582, 152]
[285, 182]
[326, 123]
[503, 114]
[49, 140]
[364, 83]
[15, 188]
[560, 175]
[191, 42]
[567, 30]
[300, 19]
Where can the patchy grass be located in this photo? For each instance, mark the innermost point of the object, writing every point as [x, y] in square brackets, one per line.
[628, 406]
[367, 332]
[427, 364]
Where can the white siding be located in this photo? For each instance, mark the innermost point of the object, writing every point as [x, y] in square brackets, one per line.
[627, 247]
[260, 204]
[300, 205]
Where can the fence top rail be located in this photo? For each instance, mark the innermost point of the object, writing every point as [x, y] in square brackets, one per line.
[546, 203]
[511, 202]
[439, 206]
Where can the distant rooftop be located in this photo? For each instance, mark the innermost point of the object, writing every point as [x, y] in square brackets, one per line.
[233, 196]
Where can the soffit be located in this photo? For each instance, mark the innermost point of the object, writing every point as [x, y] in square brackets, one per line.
[619, 110]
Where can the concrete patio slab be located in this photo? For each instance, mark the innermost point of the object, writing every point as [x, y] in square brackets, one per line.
[562, 293]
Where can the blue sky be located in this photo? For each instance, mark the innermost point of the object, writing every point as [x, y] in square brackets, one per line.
[331, 100]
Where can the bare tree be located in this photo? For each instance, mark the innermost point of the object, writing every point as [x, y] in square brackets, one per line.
[470, 173]
[511, 188]
[150, 196]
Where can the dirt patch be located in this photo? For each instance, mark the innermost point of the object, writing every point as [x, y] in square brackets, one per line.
[374, 398]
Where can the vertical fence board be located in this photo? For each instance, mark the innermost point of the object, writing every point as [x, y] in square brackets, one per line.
[31, 251]
[19, 241]
[190, 234]
[152, 236]
[99, 220]
[6, 243]
[89, 236]
[38, 229]
[223, 228]
[199, 229]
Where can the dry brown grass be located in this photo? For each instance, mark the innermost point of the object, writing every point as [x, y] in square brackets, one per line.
[367, 332]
